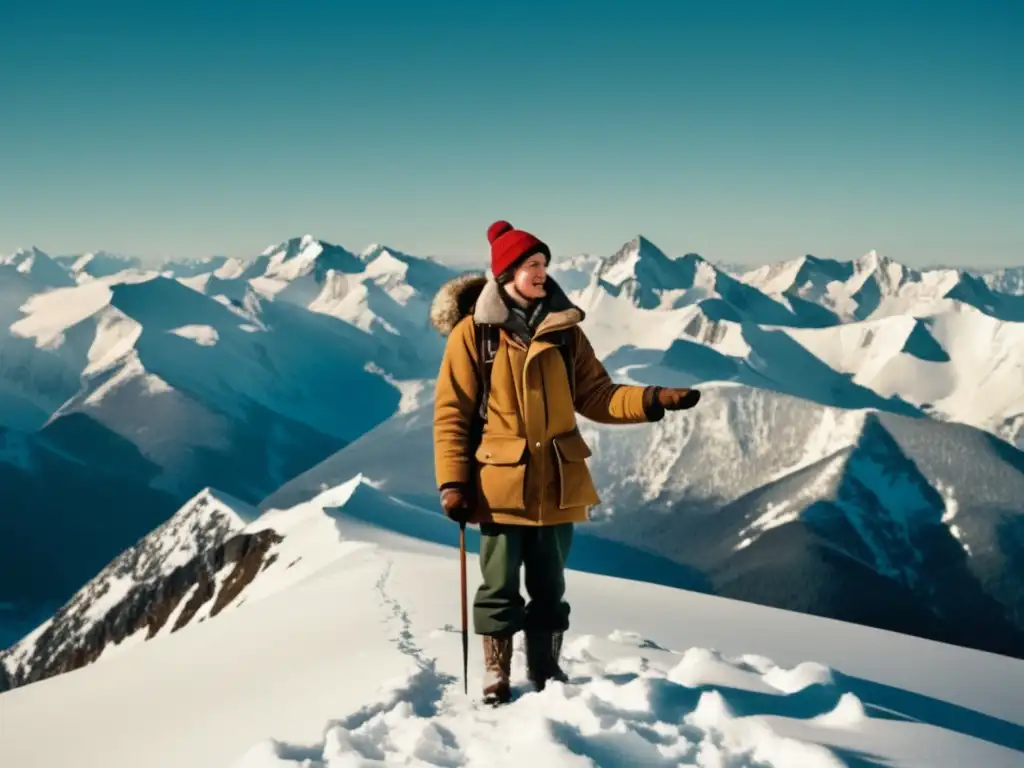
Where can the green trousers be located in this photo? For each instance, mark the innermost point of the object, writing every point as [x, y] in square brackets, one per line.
[499, 608]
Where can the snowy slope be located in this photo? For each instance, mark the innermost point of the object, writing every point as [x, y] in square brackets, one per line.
[221, 266]
[641, 275]
[962, 366]
[874, 286]
[573, 273]
[352, 656]
[201, 560]
[211, 392]
[868, 287]
[87, 266]
[39, 267]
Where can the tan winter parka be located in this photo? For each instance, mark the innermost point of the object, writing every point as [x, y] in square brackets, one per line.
[530, 467]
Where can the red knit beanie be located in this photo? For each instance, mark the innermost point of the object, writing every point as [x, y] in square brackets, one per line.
[509, 246]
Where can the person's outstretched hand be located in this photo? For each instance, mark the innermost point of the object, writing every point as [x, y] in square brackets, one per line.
[453, 502]
[678, 399]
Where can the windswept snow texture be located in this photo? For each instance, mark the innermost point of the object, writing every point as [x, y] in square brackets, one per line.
[344, 650]
[630, 702]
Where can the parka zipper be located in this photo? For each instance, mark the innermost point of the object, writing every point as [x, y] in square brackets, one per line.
[539, 445]
[526, 363]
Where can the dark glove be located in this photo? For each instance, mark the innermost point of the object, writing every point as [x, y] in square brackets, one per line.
[453, 502]
[677, 399]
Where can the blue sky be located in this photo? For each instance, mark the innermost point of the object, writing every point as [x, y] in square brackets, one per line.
[744, 131]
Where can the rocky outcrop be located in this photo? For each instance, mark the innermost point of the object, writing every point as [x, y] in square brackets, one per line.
[147, 607]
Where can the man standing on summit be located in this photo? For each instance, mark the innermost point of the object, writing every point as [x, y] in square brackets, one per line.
[508, 456]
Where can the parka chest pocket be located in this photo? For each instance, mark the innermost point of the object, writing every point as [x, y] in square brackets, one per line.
[501, 471]
[576, 486]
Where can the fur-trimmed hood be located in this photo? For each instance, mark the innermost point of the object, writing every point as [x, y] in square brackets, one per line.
[477, 294]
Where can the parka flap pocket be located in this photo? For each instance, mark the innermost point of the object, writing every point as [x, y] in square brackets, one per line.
[501, 449]
[572, 447]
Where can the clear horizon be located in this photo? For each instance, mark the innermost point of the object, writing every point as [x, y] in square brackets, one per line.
[746, 134]
[478, 261]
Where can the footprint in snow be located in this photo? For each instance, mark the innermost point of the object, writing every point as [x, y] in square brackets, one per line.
[619, 709]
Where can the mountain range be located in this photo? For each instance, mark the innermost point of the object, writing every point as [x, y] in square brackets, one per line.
[857, 453]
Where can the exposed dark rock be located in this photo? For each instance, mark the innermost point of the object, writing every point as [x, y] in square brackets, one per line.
[148, 606]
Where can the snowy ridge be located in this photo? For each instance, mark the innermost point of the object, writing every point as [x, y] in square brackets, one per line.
[88, 266]
[1008, 280]
[868, 287]
[40, 268]
[214, 554]
[642, 276]
[93, 615]
[351, 656]
[149, 348]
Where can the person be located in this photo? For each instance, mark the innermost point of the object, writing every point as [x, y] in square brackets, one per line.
[522, 475]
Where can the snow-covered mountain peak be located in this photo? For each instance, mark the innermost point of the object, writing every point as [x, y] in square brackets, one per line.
[372, 250]
[893, 278]
[637, 259]
[219, 266]
[874, 286]
[42, 269]
[376, 250]
[22, 255]
[99, 264]
[201, 523]
[134, 593]
[386, 263]
[810, 277]
[139, 300]
[48, 317]
[643, 275]
[306, 255]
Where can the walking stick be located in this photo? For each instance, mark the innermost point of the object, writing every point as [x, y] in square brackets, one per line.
[465, 623]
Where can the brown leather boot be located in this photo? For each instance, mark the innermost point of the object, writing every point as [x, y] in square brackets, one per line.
[543, 650]
[497, 669]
